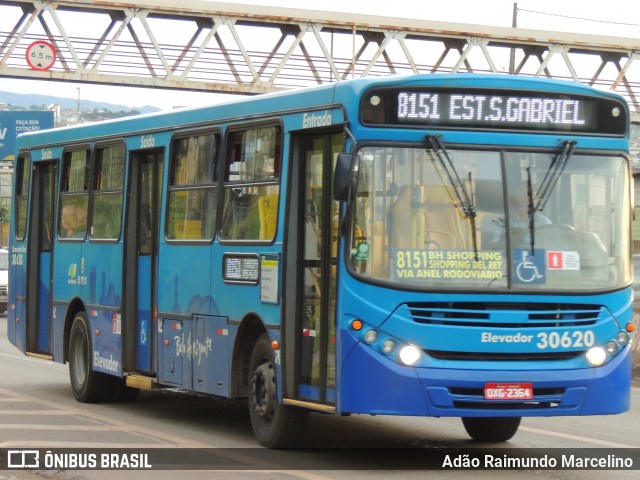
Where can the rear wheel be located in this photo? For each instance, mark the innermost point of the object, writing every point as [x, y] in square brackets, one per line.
[488, 429]
[88, 385]
[275, 425]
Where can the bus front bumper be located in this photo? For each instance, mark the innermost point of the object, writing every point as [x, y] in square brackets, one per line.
[373, 384]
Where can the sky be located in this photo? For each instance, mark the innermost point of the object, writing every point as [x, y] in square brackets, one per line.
[600, 17]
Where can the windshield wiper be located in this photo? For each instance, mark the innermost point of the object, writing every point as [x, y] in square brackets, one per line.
[547, 185]
[531, 210]
[464, 200]
[553, 175]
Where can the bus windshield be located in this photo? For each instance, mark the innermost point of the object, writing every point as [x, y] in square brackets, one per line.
[452, 218]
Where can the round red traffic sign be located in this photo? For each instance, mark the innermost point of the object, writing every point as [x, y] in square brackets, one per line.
[41, 55]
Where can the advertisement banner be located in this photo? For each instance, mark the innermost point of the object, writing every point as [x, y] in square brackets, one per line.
[13, 123]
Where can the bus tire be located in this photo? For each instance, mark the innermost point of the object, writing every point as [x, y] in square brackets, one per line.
[275, 425]
[88, 385]
[489, 429]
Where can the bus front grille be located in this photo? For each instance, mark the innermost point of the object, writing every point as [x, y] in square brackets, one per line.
[504, 315]
[500, 356]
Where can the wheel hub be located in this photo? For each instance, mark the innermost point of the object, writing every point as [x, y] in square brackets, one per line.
[263, 394]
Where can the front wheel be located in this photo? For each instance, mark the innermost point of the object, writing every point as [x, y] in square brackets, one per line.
[484, 429]
[88, 385]
[275, 425]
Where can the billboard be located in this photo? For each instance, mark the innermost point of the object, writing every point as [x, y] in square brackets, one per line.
[14, 123]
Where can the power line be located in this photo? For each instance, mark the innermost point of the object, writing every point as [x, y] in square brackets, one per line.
[579, 18]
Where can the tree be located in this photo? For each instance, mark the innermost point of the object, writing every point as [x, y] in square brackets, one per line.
[4, 214]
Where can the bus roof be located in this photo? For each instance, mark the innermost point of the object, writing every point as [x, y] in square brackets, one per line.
[247, 108]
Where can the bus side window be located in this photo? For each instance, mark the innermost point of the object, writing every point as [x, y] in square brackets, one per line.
[193, 191]
[106, 210]
[74, 196]
[251, 184]
[23, 183]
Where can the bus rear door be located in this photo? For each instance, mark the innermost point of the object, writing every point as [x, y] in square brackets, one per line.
[141, 247]
[40, 256]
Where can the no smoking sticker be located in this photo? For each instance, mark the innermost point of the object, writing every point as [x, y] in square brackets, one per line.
[557, 260]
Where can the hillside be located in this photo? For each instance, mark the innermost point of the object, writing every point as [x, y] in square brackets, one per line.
[28, 100]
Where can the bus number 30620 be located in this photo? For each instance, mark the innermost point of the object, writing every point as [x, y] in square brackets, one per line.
[575, 339]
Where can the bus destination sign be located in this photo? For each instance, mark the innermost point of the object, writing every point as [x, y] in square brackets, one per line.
[492, 109]
[413, 106]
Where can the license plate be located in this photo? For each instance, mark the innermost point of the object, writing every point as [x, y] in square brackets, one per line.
[508, 391]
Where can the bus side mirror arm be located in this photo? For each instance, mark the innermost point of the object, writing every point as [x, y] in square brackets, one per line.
[345, 184]
[632, 193]
[345, 177]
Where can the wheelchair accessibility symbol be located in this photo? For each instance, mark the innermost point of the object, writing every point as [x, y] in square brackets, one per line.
[143, 332]
[527, 268]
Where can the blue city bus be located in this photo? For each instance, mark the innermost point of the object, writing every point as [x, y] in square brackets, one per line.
[427, 245]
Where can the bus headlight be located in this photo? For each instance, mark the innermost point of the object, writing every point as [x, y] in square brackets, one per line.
[381, 342]
[409, 355]
[596, 356]
[371, 336]
[388, 346]
[622, 338]
[611, 347]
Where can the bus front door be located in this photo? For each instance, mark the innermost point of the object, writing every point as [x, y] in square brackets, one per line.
[314, 333]
[141, 247]
[40, 257]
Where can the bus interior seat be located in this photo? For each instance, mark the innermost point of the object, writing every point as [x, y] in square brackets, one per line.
[403, 215]
[593, 255]
[435, 222]
[243, 216]
[492, 232]
[268, 213]
[189, 230]
[489, 198]
[446, 228]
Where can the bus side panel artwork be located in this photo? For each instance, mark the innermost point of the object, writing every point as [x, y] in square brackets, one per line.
[185, 285]
[211, 350]
[106, 341]
[93, 277]
[194, 353]
[102, 276]
[174, 343]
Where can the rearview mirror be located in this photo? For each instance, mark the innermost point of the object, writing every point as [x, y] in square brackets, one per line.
[345, 177]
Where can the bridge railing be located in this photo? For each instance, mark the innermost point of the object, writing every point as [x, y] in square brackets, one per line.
[221, 47]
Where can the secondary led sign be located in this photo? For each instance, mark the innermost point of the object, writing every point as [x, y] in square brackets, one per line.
[240, 268]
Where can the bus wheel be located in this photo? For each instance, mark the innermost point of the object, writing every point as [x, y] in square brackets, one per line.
[88, 386]
[485, 429]
[275, 425]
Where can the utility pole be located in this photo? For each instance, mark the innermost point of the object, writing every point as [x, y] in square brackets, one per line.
[514, 24]
[78, 120]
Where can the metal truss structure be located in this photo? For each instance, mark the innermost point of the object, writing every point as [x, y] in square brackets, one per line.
[224, 47]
